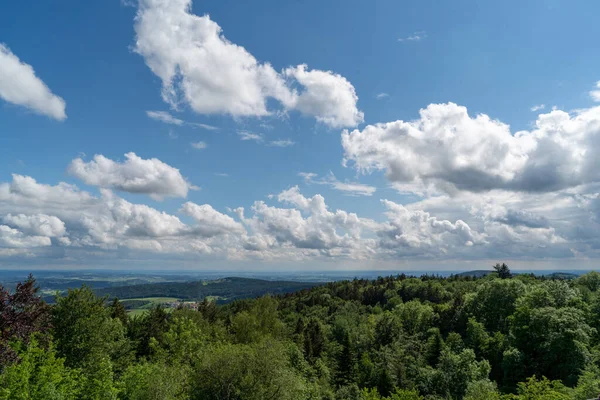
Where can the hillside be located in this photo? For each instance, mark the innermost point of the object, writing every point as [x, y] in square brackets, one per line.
[225, 290]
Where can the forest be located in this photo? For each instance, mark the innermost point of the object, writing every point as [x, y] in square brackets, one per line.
[500, 336]
[227, 289]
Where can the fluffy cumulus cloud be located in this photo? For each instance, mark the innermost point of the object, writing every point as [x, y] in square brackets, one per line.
[20, 85]
[10, 238]
[309, 227]
[209, 221]
[25, 193]
[328, 97]
[21, 231]
[483, 191]
[199, 67]
[135, 175]
[38, 219]
[36, 224]
[453, 151]
[418, 233]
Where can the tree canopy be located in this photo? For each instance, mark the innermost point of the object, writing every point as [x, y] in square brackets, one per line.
[498, 337]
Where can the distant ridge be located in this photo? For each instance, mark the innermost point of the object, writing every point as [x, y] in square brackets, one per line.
[479, 273]
[226, 289]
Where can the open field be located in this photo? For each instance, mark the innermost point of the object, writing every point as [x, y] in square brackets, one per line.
[137, 306]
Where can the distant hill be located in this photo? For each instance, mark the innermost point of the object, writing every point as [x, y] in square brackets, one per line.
[553, 275]
[226, 289]
[475, 274]
[562, 275]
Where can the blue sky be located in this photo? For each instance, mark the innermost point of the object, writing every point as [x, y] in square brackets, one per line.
[366, 63]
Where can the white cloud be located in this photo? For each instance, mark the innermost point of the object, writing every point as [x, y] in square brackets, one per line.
[135, 175]
[380, 96]
[453, 151]
[165, 117]
[595, 94]
[246, 135]
[35, 219]
[415, 37]
[260, 138]
[199, 67]
[328, 97]
[26, 193]
[281, 143]
[318, 232]
[19, 85]
[198, 145]
[538, 107]
[419, 233]
[138, 220]
[36, 224]
[210, 222]
[351, 188]
[13, 238]
[203, 126]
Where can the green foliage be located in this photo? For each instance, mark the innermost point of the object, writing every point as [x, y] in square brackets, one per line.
[554, 342]
[542, 389]
[258, 371]
[406, 394]
[39, 374]
[146, 381]
[395, 338]
[455, 372]
[503, 271]
[416, 317]
[482, 390]
[588, 385]
[83, 329]
[494, 301]
[590, 281]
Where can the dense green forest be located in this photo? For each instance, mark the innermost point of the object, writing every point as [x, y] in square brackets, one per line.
[400, 338]
[226, 289]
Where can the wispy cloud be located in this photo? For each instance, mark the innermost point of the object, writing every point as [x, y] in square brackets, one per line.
[538, 107]
[380, 96]
[349, 188]
[199, 145]
[203, 126]
[260, 138]
[221, 174]
[167, 118]
[415, 37]
[595, 94]
[281, 143]
[247, 135]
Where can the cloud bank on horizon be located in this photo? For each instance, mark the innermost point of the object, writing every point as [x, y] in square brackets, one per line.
[456, 185]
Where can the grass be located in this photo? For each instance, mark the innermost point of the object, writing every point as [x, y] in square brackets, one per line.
[156, 299]
[136, 311]
[152, 302]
